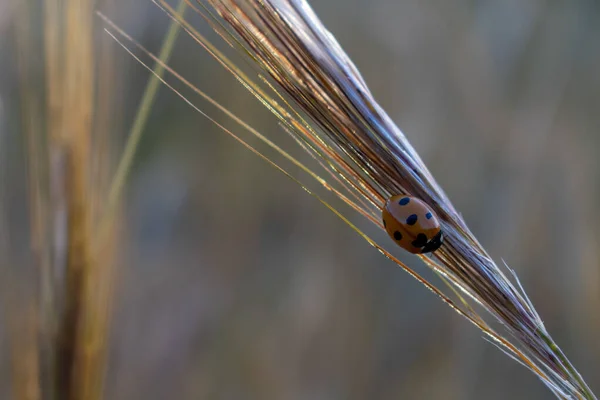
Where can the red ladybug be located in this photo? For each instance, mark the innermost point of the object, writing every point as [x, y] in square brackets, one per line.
[412, 224]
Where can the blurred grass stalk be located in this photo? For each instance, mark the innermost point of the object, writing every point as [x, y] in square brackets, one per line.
[70, 304]
[319, 97]
[72, 328]
[60, 334]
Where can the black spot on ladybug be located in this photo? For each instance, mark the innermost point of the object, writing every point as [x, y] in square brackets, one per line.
[420, 241]
[412, 219]
[404, 201]
[397, 235]
[428, 215]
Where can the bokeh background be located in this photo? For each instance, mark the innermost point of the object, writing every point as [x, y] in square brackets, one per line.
[234, 283]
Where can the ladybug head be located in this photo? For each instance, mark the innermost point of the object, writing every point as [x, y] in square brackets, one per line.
[434, 243]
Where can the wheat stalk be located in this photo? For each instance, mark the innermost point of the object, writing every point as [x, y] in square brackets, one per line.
[314, 89]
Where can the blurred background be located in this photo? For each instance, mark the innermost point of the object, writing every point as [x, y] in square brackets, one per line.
[231, 282]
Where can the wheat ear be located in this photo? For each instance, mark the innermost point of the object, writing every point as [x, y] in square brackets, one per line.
[313, 88]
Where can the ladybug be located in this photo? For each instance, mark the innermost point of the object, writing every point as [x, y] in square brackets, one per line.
[412, 224]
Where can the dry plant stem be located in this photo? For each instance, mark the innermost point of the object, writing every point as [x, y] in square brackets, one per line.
[78, 362]
[287, 41]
